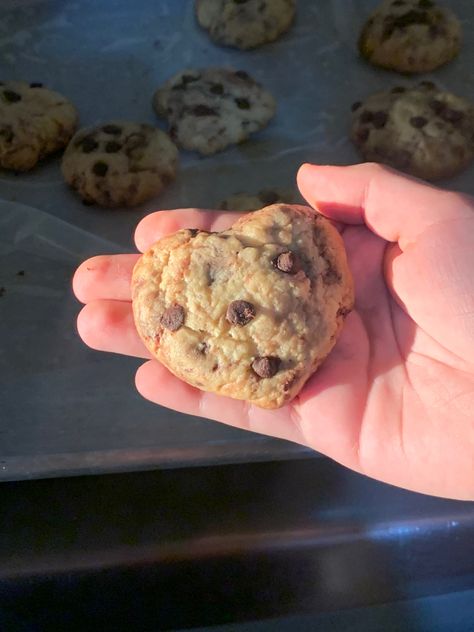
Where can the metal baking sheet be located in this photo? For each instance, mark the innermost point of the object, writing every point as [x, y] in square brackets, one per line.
[63, 408]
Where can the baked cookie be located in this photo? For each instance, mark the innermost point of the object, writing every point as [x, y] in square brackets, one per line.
[245, 23]
[119, 163]
[251, 312]
[210, 109]
[244, 202]
[421, 130]
[410, 36]
[34, 122]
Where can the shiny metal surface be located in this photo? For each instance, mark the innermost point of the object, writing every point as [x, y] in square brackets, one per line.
[68, 410]
[201, 546]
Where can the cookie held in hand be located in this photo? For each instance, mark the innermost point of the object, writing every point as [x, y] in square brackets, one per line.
[251, 312]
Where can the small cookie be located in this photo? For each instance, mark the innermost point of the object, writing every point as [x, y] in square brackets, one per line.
[119, 163]
[410, 36]
[34, 122]
[421, 130]
[251, 312]
[245, 23]
[243, 202]
[210, 109]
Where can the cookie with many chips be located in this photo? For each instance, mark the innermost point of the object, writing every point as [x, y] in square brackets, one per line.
[250, 312]
[422, 130]
[119, 163]
[410, 36]
[34, 122]
[245, 23]
[212, 108]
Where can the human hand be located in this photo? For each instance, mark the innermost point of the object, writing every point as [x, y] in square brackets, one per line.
[395, 398]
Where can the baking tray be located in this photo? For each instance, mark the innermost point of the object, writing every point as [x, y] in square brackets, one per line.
[65, 409]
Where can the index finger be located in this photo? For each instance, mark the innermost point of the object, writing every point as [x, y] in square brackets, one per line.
[394, 206]
[161, 223]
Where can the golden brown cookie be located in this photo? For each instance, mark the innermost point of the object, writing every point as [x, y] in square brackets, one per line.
[34, 122]
[251, 312]
[410, 36]
[119, 163]
[246, 23]
[422, 130]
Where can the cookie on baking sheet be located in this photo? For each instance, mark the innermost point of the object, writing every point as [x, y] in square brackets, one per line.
[246, 23]
[410, 36]
[119, 163]
[34, 122]
[422, 130]
[250, 312]
[212, 108]
[244, 202]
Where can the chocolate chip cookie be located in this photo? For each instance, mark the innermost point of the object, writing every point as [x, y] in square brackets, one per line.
[245, 23]
[34, 122]
[244, 202]
[422, 130]
[210, 109]
[251, 312]
[410, 36]
[119, 163]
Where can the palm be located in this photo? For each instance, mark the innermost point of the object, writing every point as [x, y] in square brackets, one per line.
[385, 400]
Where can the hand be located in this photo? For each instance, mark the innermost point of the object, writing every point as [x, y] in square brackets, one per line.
[395, 398]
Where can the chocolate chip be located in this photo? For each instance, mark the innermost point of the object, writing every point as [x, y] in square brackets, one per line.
[20, 273]
[112, 147]
[266, 366]
[366, 116]
[173, 317]
[87, 202]
[426, 4]
[451, 116]
[203, 110]
[217, 88]
[185, 79]
[418, 121]
[355, 106]
[362, 135]
[36, 84]
[436, 106]
[268, 197]
[202, 348]
[240, 313]
[242, 104]
[379, 119]
[286, 262]
[429, 85]
[11, 97]
[398, 3]
[343, 311]
[398, 90]
[2, 291]
[240, 1]
[88, 144]
[194, 231]
[242, 74]
[173, 131]
[100, 168]
[112, 129]
[436, 31]
[7, 133]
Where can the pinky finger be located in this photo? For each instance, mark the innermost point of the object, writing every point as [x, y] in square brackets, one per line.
[157, 384]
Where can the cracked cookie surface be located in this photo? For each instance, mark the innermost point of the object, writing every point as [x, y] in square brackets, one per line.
[119, 163]
[410, 36]
[34, 122]
[421, 130]
[251, 312]
[246, 23]
[209, 109]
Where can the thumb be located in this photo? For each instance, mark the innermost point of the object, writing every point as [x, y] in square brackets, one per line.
[395, 207]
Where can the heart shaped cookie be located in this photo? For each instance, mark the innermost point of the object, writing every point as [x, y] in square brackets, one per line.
[251, 312]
